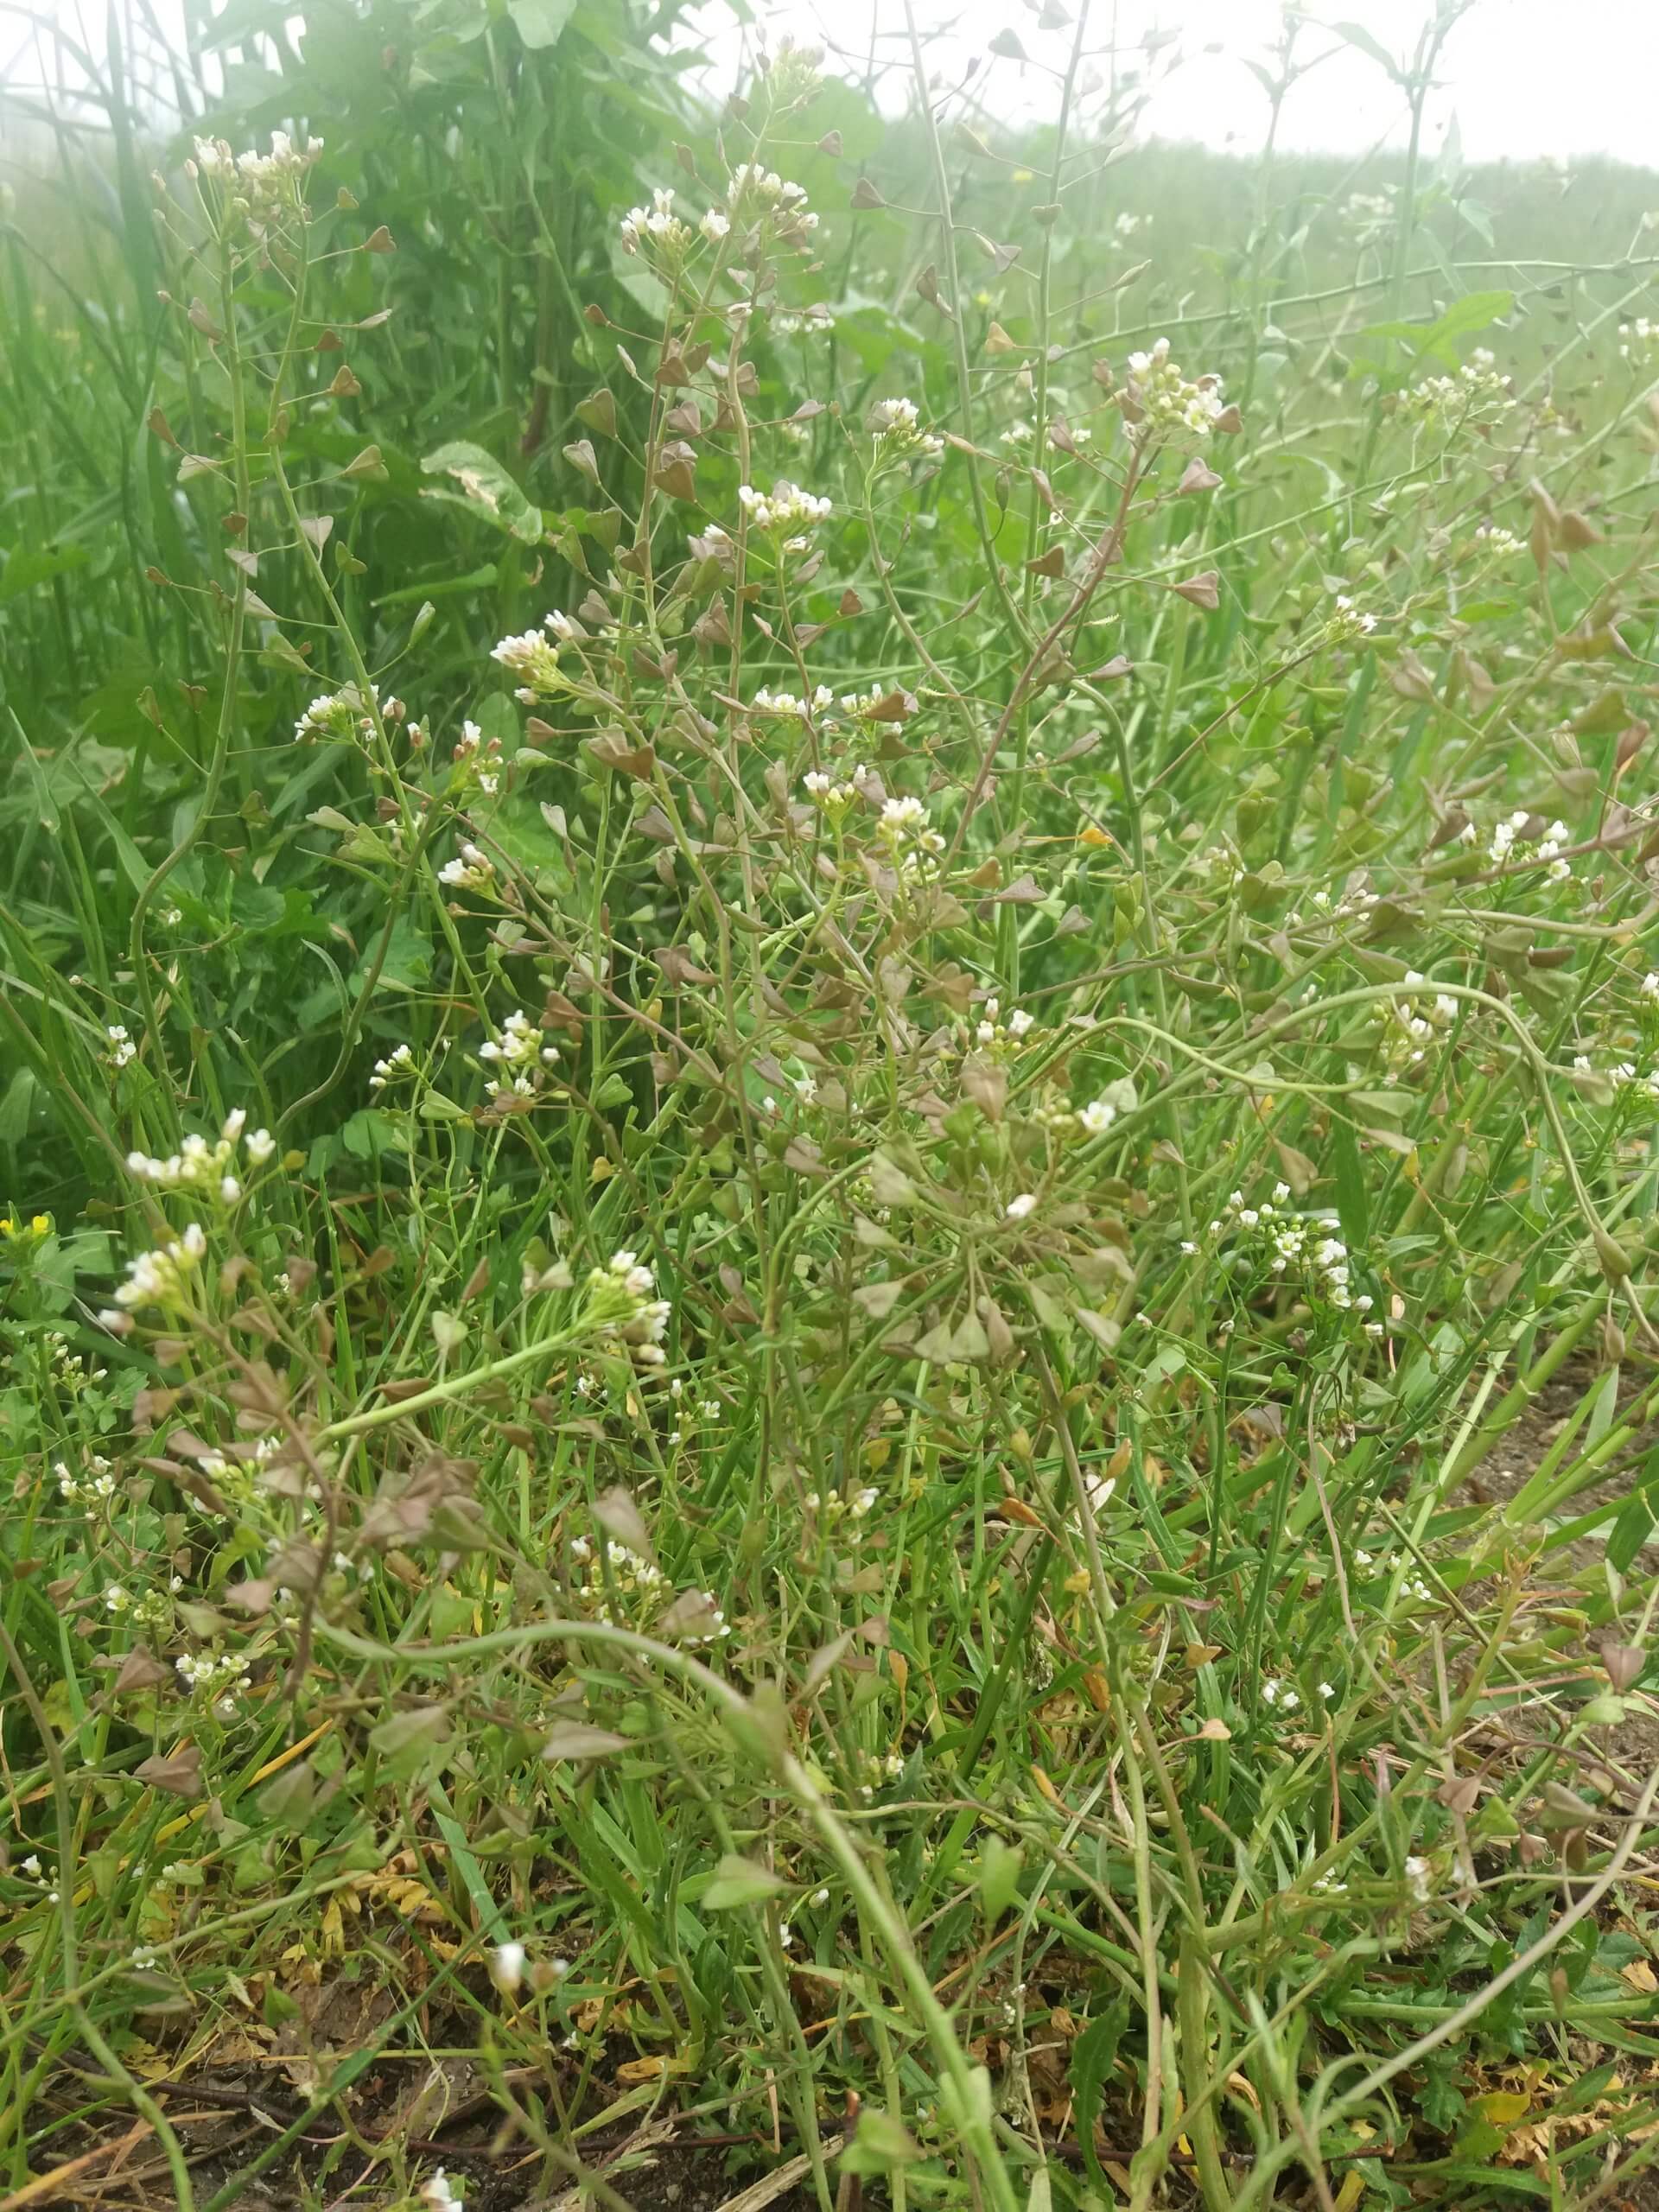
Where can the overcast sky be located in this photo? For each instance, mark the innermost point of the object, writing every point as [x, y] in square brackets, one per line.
[1525, 78]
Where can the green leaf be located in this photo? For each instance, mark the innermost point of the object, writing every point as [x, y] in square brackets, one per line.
[1358, 35]
[1093, 2056]
[540, 23]
[880, 2144]
[999, 1878]
[485, 488]
[1353, 1206]
[738, 1881]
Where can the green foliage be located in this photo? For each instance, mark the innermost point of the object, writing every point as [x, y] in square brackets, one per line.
[830, 1138]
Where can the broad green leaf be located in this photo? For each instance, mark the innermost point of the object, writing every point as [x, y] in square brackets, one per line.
[485, 488]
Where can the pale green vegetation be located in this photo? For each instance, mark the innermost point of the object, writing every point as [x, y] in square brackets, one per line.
[832, 1060]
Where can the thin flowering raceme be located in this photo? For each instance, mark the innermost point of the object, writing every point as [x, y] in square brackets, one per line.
[94, 1484]
[518, 1048]
[215, 1681]
[1306, 1245]
[120, 1051]
[398, 1066]
[904, 829]
[199, 1165]
[1477, 390]
[151, 1608]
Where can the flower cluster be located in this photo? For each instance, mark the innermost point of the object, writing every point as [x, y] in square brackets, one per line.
[478, 758]
[657, 230]
[533, 659]
[772, 204]
[398, 1063]
[898, 435]
[199, 1165]
[832, 1510]
[264, 179]
[794, 73]
[1638, 340]
[1498, 544]
[1477, 389]
[1347, 620]
[990, 1030]
[161, 1277]
[68, 1368]
[120, 1051]
[812, 322]
[518, 1048]
[218, 1681]
[785, 508]
[1514, 827]
[629, 1575]
[339, 715]
[1413, 1018]
[913, 846]
[620, 1304]
[1368, 214]
[824, 791]
[788, 705]
[94, 1484]
[1304, 1242]
[470, 870]
[1158, 403]
[149, 1609]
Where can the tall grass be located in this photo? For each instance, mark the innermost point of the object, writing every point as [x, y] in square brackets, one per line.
[831, 1010]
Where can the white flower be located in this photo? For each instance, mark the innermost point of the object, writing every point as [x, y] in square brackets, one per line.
[121, 1049]
[1098, 1116]
[437, 2194]
[1348, 621]
[519, 1049]
[508, 1966]
[470, 870]
[1159, 402]
[259, 1147]
[785, 507]
[657, 228]
[533, 657]
[1018, 1208]
[1417, 1878]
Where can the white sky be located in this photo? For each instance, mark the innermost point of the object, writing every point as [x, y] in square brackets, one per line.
[1525, 79]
